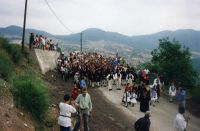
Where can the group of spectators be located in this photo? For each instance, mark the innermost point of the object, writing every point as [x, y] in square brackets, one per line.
[96, 69]
[41, 42]
[92, 69]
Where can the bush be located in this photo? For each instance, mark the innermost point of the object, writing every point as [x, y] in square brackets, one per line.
[196, 95]
[6, 66]
[5, 57]
[16, 53]
[1, 86]
[31, 94]
[2, 40]
[13, 49]
[5, 70]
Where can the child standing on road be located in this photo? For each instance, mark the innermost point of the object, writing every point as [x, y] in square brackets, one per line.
[133, 97]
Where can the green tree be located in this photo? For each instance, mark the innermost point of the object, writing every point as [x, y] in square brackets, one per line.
[174, 61]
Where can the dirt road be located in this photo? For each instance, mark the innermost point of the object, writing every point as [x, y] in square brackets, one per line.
[163, 113]
[105, 115]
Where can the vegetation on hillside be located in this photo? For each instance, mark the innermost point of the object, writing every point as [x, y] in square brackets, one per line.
[6, 64]
[196, 64]
[12, 49]
[30, 92]
[174, 62]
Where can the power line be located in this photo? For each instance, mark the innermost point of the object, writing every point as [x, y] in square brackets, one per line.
[59, 20]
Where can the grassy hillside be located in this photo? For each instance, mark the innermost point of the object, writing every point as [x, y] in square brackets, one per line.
[24, 83]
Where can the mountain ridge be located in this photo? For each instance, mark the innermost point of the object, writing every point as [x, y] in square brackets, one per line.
[187, 37]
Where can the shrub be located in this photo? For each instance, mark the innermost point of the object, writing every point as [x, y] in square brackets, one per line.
[196, 95]
[5, 70]
[6, 67]
[1, 86]
[5, 57]
[31, 94]
[13, 49]
[16, 53]
[2, 40]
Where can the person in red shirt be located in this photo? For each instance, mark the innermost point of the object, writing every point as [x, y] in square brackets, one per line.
[127, 87]
[126, 95]
[75, 91]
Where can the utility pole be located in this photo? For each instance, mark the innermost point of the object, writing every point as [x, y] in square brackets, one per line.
[24, 25]
[81, 41]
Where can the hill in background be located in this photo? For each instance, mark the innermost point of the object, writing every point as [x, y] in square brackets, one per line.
[136, 49]
[188, 37]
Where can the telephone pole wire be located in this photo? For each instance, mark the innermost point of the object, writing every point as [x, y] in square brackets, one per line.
[24, 25]
[59, 20]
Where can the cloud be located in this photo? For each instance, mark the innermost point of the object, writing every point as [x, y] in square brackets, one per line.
[131, 17]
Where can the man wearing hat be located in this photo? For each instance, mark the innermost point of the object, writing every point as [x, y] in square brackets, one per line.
[143, 124]
[84, 103]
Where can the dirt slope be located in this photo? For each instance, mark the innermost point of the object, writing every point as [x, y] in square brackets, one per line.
[11, 118]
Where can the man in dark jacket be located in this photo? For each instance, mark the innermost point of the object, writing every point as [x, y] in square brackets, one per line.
[143, 124]
[31, 40]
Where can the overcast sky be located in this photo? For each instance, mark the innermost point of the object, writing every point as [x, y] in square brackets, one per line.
[129, 17]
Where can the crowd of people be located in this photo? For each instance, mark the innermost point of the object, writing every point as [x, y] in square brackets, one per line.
[41, 42]
[95, 70]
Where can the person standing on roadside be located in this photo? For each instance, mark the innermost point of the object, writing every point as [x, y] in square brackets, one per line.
[65, 109]
[181, 120]
[172, 92]
[181, 96]
[31, 40]
[75, 91]
[84, 104]
[144, 99]
[143, 124]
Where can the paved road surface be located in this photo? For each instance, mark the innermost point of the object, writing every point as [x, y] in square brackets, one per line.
[163, 113]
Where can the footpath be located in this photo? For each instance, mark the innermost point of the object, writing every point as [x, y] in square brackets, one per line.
[162, 115]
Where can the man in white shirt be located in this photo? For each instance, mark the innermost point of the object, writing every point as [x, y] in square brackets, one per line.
[180, 121]
[64, 119]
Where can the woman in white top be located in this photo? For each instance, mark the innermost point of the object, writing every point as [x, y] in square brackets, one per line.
[110, 81]
[64, 119]
[172, 92]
